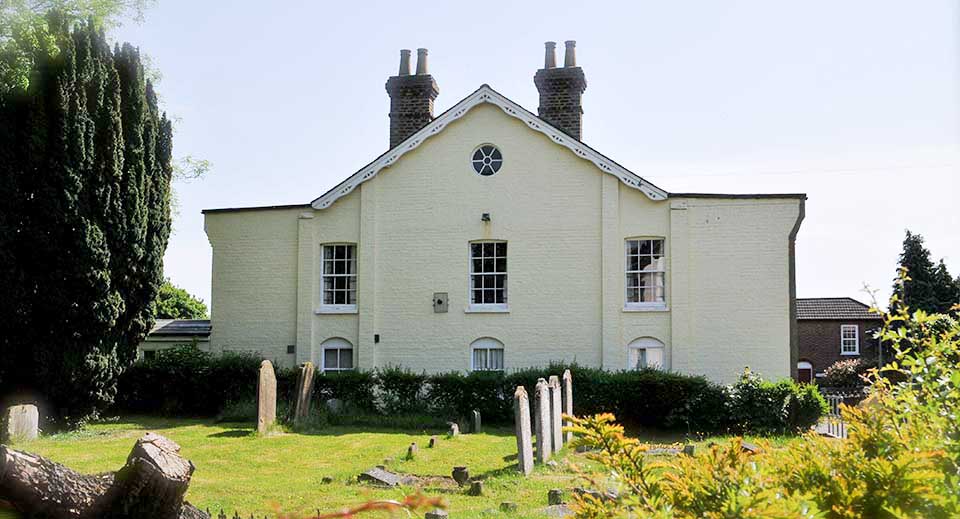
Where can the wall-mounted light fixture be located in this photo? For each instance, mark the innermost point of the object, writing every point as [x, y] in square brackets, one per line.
[485, 217]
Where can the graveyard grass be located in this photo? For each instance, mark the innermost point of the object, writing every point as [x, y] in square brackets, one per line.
[239, 470]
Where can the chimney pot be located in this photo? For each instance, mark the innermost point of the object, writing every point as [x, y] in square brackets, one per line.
[570, 56]
[422, 61]
[550, 55]
[404, 62]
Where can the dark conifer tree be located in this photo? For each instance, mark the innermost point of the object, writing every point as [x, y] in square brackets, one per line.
[930, 288]
[85, 168]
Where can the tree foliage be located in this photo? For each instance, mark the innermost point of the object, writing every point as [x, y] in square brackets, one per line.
[901, 459]
[930, 287]
[174, 302]
[85, 169]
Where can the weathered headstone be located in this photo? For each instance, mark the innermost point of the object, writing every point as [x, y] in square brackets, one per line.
[304, 392]
[20, 423]
[454, 429]
[689, 449]
[555, 496]
[266, 398]
[541, 419]
[433, 442]
[380, 477]
[556, 410]
[475, 425]
[476, 488]
[460, 474]
[508, 506]
[521, 420]
[568, 402]
[412, 450]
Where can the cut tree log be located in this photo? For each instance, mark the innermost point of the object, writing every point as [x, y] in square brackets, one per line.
[151, 484]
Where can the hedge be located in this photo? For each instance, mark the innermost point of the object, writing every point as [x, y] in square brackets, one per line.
[172, 383]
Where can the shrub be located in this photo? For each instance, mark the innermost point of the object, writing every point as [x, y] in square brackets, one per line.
[757, 406]
[901, 459]
[846, 373]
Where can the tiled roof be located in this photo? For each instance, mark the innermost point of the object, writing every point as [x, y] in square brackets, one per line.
[833, 308]
[181, 327]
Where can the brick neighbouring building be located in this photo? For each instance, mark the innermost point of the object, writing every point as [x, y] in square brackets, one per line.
[821, 323]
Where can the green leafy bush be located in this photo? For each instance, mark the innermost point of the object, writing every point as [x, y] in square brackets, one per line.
[758, 406]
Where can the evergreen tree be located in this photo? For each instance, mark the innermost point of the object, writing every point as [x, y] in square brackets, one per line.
[85, 169]
[930, 288]
[174, 302]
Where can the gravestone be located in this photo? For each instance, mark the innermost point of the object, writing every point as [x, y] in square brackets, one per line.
[304, 392]
[521, 420]
[475, 424]
[266, 398]
[20, 423]
[555, 496]
[476, 488]
[454, 429]
[433, 442]
[556, 410]
[412, 450]
[568, 402]
[541, 419]
[380, 477]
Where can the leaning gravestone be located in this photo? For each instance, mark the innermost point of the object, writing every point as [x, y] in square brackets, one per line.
[266, 398]
[521, 420]
[304, 392]
[475, 425]
[541, 420]
[568, 402]
[556, 410]
[20, 423]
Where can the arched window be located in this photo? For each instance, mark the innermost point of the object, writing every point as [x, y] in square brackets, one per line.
[804, 371]
[486, 354]
[645, 352]
[336, 355]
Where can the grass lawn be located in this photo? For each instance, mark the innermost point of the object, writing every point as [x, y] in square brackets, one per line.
[237, 470]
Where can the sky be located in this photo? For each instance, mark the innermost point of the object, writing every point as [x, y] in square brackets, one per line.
[855, 103]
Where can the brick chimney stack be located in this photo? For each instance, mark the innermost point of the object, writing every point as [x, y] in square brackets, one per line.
[561, 89]
[411, 97]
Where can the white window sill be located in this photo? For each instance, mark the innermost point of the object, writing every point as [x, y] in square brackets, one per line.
[487, 309]
[336, 309]
[646, 307]
[850, 353]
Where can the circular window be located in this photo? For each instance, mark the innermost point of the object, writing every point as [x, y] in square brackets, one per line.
[487, 160]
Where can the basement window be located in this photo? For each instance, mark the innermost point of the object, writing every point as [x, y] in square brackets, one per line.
[486, 355]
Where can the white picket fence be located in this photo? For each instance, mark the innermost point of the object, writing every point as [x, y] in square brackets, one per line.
[833, 424]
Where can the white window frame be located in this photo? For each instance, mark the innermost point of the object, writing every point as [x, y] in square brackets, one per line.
[662, 270]
[646, 344]
[325, 308]
[855, 339]
[488, 307]
[488, 344]
[338, 344]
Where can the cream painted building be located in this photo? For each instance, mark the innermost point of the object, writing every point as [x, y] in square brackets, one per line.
[490, 238]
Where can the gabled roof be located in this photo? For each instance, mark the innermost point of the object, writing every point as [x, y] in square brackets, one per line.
[180, 328]
[827, 308]
[485, 94]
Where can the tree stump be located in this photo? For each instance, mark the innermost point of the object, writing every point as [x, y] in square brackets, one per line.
[151, 484]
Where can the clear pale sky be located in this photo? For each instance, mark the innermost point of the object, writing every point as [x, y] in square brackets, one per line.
[856, 103]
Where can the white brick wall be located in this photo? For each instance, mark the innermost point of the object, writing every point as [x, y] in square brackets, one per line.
[565, 223]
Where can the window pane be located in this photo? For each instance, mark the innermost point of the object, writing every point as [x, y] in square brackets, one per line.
[476, 297]
[645, 247]
[488, 249]
[488, 264]
[475, 249]
[330, 359]
[496, 359]
[633, 280]
[477, 264]
[327, 252]
[633, 263]
[645, 263]
[346, 359]
[657, 247]
[501, 265]
[633, 247]
[654, 358]
[633, 295]
[500, 281]
[501, 249]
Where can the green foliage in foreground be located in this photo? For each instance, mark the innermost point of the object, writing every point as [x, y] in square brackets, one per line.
[85, 171]
[902, 457]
